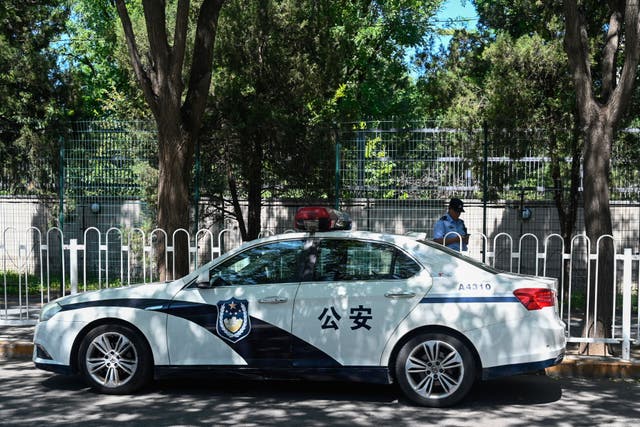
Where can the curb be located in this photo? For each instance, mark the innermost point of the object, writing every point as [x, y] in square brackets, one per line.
[16, 350]
[595, 367]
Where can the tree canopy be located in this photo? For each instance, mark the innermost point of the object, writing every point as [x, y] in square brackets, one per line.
[285, 73]
[293, 70]
[33, 94]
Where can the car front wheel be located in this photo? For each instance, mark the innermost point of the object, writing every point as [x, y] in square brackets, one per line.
[435, 369]
[115, 359]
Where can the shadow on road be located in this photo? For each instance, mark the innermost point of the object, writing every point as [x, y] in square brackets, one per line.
[526, 389]
[32, 397]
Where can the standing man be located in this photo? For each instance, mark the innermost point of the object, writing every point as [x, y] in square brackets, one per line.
[450, 224]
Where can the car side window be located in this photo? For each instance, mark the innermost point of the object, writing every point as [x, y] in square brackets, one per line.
[275, 262]
[404, 267]
[359, 260]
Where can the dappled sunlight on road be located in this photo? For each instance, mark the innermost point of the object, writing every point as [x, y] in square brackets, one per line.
[30, 397]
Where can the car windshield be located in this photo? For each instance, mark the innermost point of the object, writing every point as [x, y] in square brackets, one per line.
[458, 255]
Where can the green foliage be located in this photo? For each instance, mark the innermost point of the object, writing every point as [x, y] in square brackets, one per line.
[511, 76]
[521, 17]
[375, 40]
[96, 59]
[451, 86]
[294, 66]
[286, 72]
[32, 96]
[528, 84]
[379, 166]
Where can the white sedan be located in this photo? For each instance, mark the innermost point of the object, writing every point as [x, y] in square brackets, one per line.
[342, 305]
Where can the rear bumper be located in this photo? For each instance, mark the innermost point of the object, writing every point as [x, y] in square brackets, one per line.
[520, 368]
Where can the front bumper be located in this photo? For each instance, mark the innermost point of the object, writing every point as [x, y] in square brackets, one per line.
[52, 367]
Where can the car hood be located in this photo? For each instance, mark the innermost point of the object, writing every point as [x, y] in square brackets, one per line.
[157, 290]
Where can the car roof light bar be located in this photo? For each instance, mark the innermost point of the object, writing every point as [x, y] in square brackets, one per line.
[320, 218]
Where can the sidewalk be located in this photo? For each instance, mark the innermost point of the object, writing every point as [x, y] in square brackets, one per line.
[16, 344]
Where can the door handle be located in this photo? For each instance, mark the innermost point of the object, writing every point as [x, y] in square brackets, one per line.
[400, 294]
[273, 300]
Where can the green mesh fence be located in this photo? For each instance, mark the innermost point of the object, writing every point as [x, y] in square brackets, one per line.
[394, 179]
[422, 162]
[399, 178]
[108, 167]
[109, 171]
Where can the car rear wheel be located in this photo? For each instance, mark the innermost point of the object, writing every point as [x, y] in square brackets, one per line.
[115, 359]
[435, 369]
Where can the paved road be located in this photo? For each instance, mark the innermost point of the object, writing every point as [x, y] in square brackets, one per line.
[32, 397]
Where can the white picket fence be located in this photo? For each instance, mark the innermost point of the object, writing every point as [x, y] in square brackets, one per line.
[115, 258]
[135, 250]
[625, 328]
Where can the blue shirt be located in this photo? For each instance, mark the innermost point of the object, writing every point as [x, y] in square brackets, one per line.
[445, 225]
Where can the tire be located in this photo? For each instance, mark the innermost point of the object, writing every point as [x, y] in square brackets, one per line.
[115, 359]
[435, 369]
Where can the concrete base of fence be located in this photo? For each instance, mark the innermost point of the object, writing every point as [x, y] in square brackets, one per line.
[595, 367]
[12, 350]
[16, 342]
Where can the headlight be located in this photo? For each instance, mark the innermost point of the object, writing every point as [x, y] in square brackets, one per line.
[49, 310]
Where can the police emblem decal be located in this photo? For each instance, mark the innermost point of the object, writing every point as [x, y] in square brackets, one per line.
[233, 319]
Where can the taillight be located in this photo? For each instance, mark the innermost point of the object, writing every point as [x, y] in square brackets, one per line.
[536, 298]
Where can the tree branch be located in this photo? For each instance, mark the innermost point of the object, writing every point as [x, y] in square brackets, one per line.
[624, 90]
[141, 75]
[179, 42]
[200, 76]
[610, 50]
[576, 44]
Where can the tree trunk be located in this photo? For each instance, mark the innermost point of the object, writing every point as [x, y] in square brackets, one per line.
[599, 310]
[177, 114]
[255, 189]
[600, 116]
[249, 229]
[566, 204]
[176, 161]
[235, 202]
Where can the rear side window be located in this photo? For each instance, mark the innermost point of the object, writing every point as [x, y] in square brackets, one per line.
[358, 260]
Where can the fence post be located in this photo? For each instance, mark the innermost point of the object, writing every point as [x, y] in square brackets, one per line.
[336, 136]
[61, 185]
[485, 186]
[626, 305]
[73, 265]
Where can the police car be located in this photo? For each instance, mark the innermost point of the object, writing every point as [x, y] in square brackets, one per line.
[319, 304]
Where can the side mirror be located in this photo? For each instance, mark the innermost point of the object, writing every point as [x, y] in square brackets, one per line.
[219, 281]
[203, 280]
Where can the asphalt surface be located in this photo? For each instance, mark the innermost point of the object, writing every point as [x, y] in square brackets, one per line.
[582, 391]
[32, 397]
